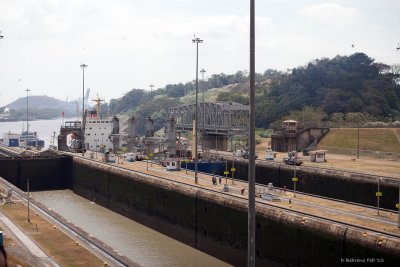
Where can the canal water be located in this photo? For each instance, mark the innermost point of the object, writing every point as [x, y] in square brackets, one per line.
[135, 241]
[44, 128]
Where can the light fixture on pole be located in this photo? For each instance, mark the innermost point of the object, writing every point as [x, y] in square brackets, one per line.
[83, 66]
[27, 122]
[203, 109]
[251, 241]
[196, 40]
[378, 195]
[358, 141]
[27, 189]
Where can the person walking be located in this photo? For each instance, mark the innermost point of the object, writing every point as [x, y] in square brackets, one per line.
[214, 180]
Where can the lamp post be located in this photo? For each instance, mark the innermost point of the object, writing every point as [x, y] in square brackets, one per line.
[358, 142]
[398, 211]
[233, 169]
[378, 195]
[151, 88]
[27, 123]
[196, 40]
[54, 136]
[1, 36]
[147, 162]
[27, 189]
[251, 241]
[202, 82]
[83, 66]
[294, 180]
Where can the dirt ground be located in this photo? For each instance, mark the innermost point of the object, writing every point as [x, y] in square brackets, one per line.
[375, 166]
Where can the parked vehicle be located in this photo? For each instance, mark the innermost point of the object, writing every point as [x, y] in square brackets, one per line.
[243, 153]
[131, 157]
[172, 164]
[109, 157]
[293, 159]
[270, 197]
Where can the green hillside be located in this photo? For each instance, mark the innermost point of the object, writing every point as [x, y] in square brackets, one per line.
[375, 139]
[336, 87]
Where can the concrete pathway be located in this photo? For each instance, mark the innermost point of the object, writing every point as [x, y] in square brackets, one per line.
[28, 243]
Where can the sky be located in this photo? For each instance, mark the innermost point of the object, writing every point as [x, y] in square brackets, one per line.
[134, 43]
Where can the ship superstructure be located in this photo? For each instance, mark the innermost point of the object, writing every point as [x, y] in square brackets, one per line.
[98, 130]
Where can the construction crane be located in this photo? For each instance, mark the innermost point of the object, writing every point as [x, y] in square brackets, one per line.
[98, 101]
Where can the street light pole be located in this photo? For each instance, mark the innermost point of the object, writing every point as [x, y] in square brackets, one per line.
[83, 66]
[203, 89]
[358, 142]
[398, 211]
[196, 40]
[27, 189]
[378, 195]
[251, 246]
[27, 123]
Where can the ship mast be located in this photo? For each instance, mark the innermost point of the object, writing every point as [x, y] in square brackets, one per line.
[98, 101]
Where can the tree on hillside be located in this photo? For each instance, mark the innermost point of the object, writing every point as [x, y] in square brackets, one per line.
[131, 99]
[307, 117]
[343, 84]
[157, 108]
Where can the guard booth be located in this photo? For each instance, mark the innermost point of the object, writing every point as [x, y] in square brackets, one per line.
[318, 156]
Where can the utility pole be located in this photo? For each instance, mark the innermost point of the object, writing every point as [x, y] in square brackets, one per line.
[151, 88]
[54, 136]
[27, 189]
[1, 36]
[398, 206]
[196, 40]
[358, 142]
[27, 123]
[204, 113]
[83, 66]
[378, 196]
[251, 246]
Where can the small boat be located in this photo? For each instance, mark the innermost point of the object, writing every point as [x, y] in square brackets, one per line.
[31, 139]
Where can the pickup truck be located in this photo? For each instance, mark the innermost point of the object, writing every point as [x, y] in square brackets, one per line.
[293, 161]
[243, 153]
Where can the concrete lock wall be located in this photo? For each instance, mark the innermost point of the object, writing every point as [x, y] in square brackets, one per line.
[353, 188]
[43, 173]
[217, 223]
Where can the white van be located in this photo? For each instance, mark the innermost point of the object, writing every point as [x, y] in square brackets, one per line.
[131, 157]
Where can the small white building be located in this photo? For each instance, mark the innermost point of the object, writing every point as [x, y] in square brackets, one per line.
[318, 156]
[97, 134]
[11, 139]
